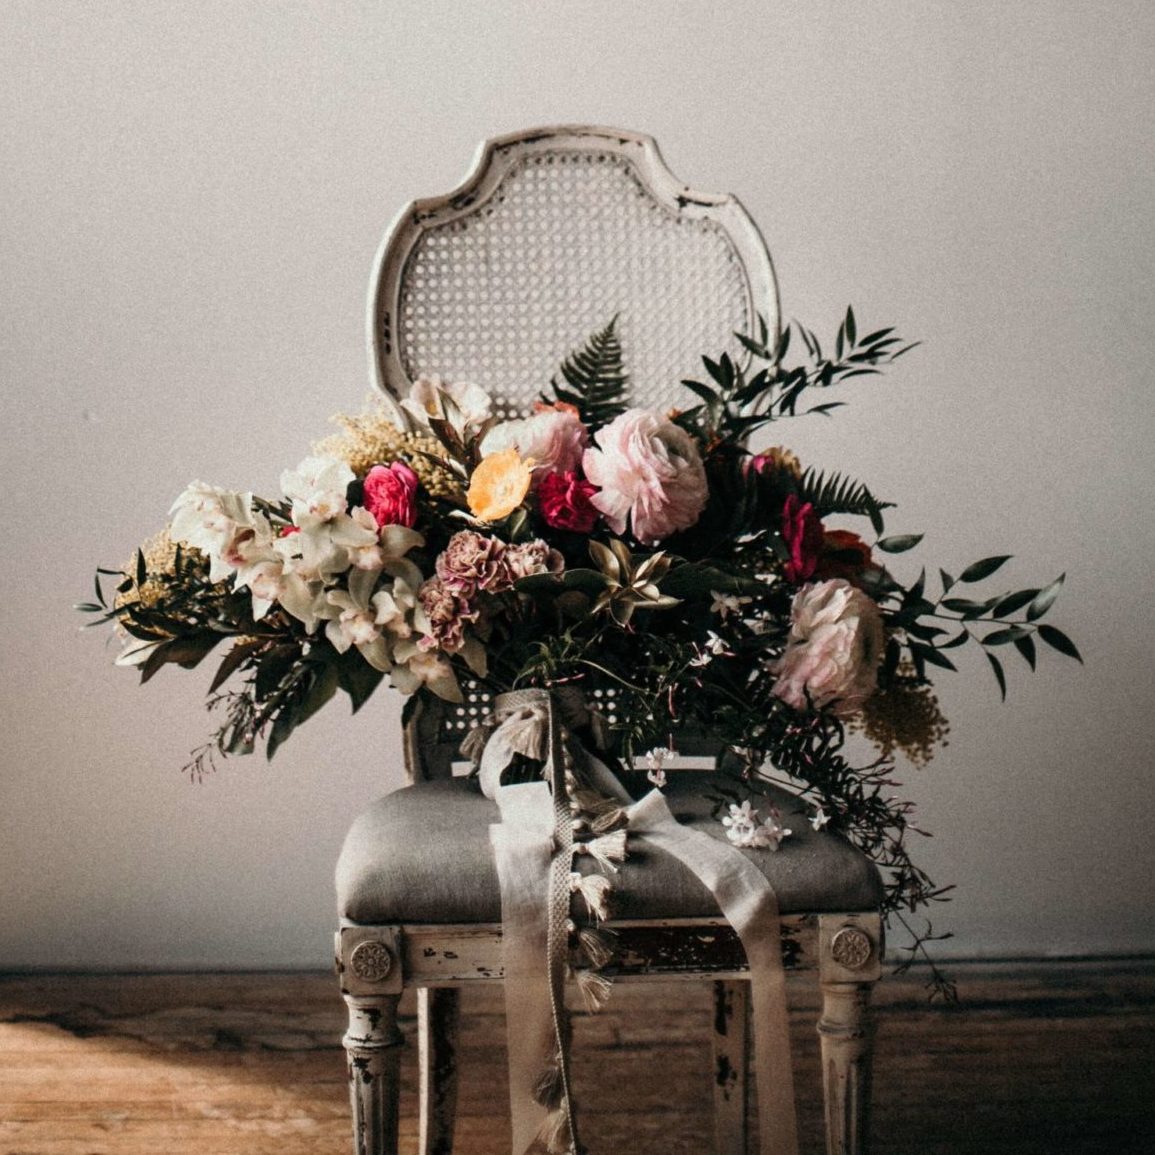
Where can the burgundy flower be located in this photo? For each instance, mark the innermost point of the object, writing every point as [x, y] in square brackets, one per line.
[802, 533]
[564, 500]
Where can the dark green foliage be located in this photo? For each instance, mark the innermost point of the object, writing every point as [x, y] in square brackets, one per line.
[593, 379]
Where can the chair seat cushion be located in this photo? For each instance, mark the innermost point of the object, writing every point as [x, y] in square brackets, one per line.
[422, 854]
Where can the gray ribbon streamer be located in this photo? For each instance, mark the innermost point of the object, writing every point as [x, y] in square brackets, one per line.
[533, 846]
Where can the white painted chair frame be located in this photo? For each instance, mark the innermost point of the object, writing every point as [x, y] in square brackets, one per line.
[377, 963]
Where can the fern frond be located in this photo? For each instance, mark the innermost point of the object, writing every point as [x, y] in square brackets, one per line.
[835, 494]
[593, 379]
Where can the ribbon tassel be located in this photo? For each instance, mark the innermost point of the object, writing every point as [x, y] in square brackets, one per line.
[595, 890]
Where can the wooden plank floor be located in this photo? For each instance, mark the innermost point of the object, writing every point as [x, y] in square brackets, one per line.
[1037, 1059]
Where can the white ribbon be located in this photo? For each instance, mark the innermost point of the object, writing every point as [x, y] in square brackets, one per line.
[533, 848]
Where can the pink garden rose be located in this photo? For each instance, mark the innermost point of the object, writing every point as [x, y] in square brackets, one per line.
[832, 653]
[649, 471]
[564, 501]
[802, 533]
[390, 494]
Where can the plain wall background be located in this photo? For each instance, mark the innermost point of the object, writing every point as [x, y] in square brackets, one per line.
[191, 199]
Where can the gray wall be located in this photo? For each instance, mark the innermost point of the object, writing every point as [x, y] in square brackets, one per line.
[191, 198]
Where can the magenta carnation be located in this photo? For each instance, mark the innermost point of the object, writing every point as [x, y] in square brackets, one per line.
[803, 535]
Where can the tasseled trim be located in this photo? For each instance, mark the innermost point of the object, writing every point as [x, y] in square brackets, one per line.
[594, 989]
[610, 819]
[474, 742]
[597, 946]
[548, 1089]
[554, 1136]
[606, 850]
[595, 890]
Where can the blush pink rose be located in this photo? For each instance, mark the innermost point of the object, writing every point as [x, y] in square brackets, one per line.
[802, 533]
[390, 494]
[554, 437]
[564, 501]
[832, 653]
[649, 471]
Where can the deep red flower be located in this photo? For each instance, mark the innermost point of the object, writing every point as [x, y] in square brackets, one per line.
[564, 501]
[802, 532]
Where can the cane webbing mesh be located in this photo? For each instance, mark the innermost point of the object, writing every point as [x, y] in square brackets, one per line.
[568, 240]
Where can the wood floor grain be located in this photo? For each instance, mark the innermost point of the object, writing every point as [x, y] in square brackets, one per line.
[1045, 1059]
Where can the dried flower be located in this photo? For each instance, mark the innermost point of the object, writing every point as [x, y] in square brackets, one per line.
[499, 485]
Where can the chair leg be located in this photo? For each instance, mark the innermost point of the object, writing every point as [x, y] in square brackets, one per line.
[437, 1018]
[847, 1048]
[731, 1026]
[373, 1047]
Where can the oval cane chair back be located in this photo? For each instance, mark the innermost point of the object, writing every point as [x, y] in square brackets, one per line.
[554, 232]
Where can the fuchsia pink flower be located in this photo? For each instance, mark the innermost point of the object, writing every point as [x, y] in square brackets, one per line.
[390, 494]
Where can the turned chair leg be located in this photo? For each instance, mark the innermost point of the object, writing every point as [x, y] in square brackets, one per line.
[731, 1024]
[850, 950]
[373, 1047]
[437, 1019]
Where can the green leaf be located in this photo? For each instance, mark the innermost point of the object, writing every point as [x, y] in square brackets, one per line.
[1013, 602]
[1045, 599]
[141, 568]
[851, 327]
[1000, 677]
[357, 678]
[946, 579]
[232, 661]
[283, 725]
[960, 639]
[838, 495]
[1026, 647]
[931, 655]
[1057, 640]
[983, 569]
[707, 394]
[597, 383]
[899, 543]
[1004, 637]
[322, 686]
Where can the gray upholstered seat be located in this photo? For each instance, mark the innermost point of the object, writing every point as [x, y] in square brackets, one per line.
[422, 854]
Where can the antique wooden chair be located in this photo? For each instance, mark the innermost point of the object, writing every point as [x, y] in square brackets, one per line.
[553, 232]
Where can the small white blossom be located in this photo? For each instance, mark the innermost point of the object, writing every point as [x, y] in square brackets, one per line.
[819, 819]
[709, 650]
[655, 762]
[745, 829]
[726, 604]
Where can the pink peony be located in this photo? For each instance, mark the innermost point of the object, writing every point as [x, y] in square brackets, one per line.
[471, 562]
[564, 501]
[390, 494]
[648, 470]
[802, 533]
[832, 653]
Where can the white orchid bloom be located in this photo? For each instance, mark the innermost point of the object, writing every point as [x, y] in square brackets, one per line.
[304, 600]
[317, 487]
[353, 620]
[416, 668]
[461, 403]
[212, 520]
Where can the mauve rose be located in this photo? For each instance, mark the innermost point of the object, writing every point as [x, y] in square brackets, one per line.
[564, 502]
[471, 562]
[390, 493]
[832, 653]
[802, 533]
[649, 471]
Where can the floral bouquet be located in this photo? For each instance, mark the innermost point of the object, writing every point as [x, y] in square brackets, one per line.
[598, 545]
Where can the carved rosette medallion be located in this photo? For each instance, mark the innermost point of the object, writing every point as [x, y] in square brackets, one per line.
[371, 961]
[851, 948]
